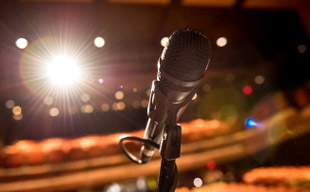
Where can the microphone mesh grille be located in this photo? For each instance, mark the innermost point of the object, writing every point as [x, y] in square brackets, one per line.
[187, 55]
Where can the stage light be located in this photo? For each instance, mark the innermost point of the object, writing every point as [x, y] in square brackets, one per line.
[63, 70]
[21, 43]
[99, 42]
[221, 42]
[120, 106]
[164, 41]
[134, 90]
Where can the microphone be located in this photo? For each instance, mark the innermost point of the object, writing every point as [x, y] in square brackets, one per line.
[181, 67]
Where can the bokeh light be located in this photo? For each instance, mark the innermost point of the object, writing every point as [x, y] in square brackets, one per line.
[21, 43]
[301, 48]
[87, 108]
[119, 95]
[247, 90]
[48, 100]
[221, 42]
[9, 104]
[99, 42]
[54, 112]
[18, 117]
[259, 79]
[85, 97]
[17, 110]
[144, 103]
[105, 107]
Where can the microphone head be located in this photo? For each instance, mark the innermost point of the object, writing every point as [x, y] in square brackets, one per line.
[186, 56]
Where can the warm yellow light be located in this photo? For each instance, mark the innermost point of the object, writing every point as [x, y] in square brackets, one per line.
[54, 112]
[259, 79]
[63, 70]
[120, 106]
[87, 108]
[119, 95]
[18, 117]
[48, 100]
[21, 43]
[17, 110]
[99, 42]
[85, 97]
[221, 42]
[105, 107]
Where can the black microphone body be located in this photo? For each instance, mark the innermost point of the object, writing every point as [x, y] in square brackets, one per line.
[180, 69]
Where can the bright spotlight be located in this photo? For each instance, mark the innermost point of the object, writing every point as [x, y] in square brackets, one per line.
[63, 70]
[99, 42]
[21, 43]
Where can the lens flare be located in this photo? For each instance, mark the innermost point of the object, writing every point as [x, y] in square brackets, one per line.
[63, 70]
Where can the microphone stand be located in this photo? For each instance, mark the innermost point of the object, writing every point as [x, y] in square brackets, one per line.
[169, 151]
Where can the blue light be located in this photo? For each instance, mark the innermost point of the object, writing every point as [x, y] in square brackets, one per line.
[250, 123]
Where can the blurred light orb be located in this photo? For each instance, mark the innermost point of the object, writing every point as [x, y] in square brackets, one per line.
[9, 104]
[120, 106]
[134, 90]
[101, 81]
[198, 182]
[18, 117]
[99, 42]
[164, 41]
[17, 110]
[144, 103]
[21, 43]
[48, 100]
[54, 112]
[259, 79]
[63, 70]
[85, 97]
[114, 188]
[87, 108]
[301, 48]
[105, 107]
[221, 42]
[247, 90]
[119, 95]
